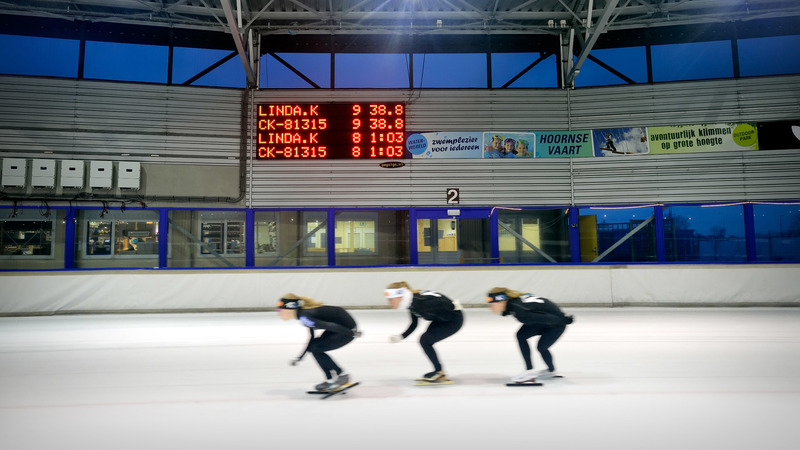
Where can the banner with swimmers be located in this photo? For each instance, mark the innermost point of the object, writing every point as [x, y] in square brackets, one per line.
[630, 141]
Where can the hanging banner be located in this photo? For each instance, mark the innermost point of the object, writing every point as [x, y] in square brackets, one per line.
[508, 144]
[779, 135]
[444, 145]
[563, 144]
[620, 142]
[703, 138]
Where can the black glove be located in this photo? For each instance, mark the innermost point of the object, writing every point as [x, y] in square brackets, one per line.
[569, 319]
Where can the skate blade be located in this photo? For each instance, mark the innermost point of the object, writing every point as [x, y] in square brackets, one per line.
[432, 383]
[525, 383]
[341, 390]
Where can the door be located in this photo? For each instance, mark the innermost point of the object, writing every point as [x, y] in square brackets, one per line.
[453, 236]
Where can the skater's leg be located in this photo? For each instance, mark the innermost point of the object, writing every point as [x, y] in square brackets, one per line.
[326, 342]
[436, 332]
[523, 334]
[549, 337]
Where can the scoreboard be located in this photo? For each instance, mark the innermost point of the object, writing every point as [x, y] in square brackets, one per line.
[297, 131]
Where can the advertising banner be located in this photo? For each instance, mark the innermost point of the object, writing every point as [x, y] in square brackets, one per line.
[779, 135]
[563, 144]
[445, 145]
[703, 138]
[620, 141]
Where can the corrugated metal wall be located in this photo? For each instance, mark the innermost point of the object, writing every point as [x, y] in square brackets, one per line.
[195, 126]
[96, 120]
[701, 177]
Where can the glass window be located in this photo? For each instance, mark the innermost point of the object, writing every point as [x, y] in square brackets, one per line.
[630, 61]
[704, 234]
[315, 66]
[26, 238]
[126, 62]
[617, 234]
[533, 236]
[693, 61]
[450, 70]
[777, 229]
[189, 62]
[776, 55]
[27, 55]
[367, 70]
[372, 238]
[117, 238]
[291, 238]
[506, 66]
[206, 238]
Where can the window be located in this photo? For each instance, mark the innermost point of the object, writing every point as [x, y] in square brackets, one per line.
[386, 70]
[506, 66]
[315, 66]
[707, 234]
[126, 62]
[26, 55]
[533, 236]
[378, 237]
[617, 234]
[450, 70]
[117, 238]
[695, 61]
[26, 238]
[629, 61]
[266, 228]
[777, 230]
[755, 61]
[190, 62]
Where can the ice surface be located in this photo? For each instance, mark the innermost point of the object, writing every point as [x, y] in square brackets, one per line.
[634, 378]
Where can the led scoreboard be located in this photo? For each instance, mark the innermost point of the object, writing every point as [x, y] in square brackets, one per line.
[294, 131]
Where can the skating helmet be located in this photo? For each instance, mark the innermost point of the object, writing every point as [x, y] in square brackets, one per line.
[290, 301]
[494, 297]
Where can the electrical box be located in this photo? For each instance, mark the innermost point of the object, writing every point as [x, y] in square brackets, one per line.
[129, 175]
[43, 173]
[15, 171]
[72, 174]
[101, 174]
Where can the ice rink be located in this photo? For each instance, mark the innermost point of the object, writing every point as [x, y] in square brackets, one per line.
[634, 378]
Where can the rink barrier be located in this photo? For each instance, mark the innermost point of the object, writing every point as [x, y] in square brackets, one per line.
[138, 291]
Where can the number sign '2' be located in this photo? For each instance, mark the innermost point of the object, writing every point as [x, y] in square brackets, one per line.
[296, 131]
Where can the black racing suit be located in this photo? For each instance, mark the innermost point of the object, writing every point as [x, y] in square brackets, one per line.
[339, 328]
[541, 317]
[445, 316]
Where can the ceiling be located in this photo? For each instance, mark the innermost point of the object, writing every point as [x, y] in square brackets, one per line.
[406, 16]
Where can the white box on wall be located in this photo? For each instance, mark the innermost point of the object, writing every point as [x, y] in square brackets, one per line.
[72, 174]
[101, 174]
[129, 175]
[15, 171]
[43, 173]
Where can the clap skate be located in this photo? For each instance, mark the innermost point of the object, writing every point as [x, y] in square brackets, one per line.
[433, 378]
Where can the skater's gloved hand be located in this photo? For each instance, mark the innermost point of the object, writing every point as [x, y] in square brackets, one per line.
[395, 339]
[357, 333]
[294, 362]
[570, 319]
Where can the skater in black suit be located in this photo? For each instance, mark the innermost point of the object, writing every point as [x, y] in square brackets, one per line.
[445, 316]
[339, 329]
[539, 317]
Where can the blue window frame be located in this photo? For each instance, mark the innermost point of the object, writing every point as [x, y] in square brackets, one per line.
[26, 55]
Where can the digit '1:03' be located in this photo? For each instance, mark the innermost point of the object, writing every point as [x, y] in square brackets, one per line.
[390, 151]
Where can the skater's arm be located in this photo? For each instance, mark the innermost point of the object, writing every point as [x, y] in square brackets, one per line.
[411, 327]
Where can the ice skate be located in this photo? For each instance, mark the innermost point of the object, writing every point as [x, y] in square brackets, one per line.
[527, 378]
[546, 374]
[435, 377]
[341, 381]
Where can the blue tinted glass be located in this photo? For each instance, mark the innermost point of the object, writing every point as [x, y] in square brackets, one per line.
[603, 234]
[388, 70]
[695, 61]
[777, 229]
[188, 62]
[695, 233]
[506, 66]
[24, 55]
[450, 70]
[126, 62]
[769, 56]
[629, 61]
[315, 66]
